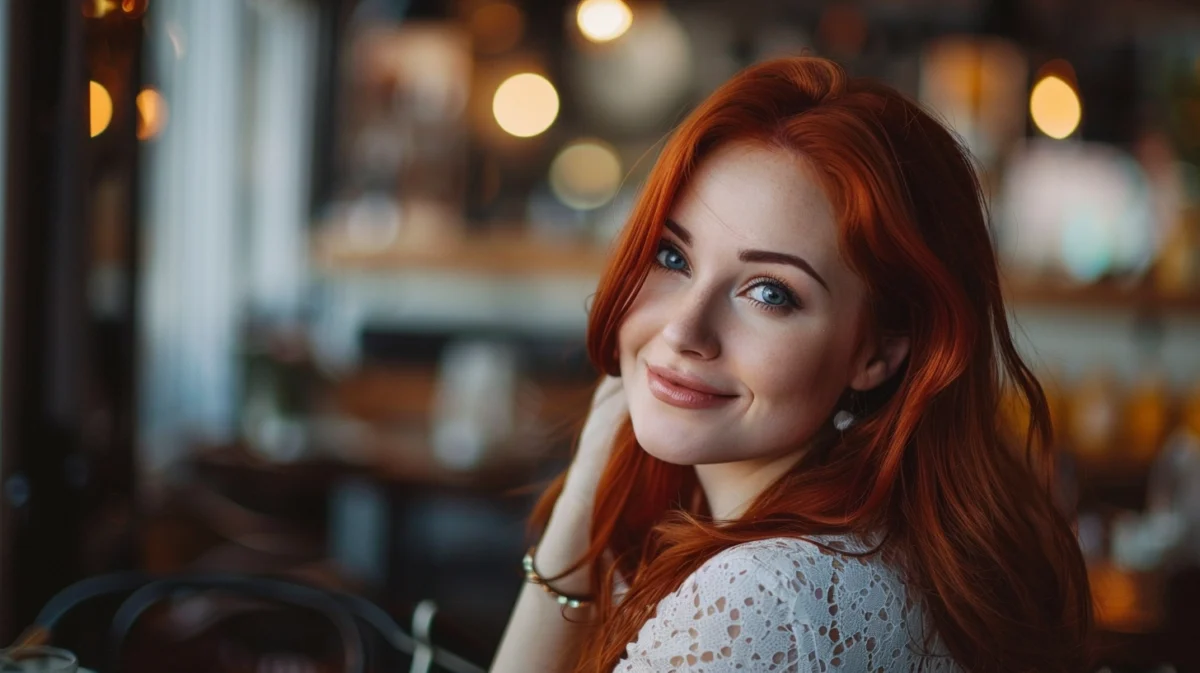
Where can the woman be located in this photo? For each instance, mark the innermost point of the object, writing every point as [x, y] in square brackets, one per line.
[799, 467]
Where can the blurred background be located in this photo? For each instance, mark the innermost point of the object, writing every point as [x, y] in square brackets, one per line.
[299, 287]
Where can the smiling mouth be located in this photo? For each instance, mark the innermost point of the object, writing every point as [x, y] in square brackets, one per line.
[679, 391]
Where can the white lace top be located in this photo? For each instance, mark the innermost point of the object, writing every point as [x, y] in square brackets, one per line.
[784, 604]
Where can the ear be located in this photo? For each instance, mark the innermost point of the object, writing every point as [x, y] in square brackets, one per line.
[889, 354]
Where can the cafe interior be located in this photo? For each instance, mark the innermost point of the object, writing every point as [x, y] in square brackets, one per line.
[294, 296]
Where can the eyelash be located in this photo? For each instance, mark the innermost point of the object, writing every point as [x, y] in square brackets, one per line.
[792, 302]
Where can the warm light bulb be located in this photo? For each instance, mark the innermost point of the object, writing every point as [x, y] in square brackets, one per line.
[1055, 107]
[100, 105]
[525, 105]
[603, 20]
[152, 114]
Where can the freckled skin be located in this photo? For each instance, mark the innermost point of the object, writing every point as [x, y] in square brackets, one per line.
[706, 312]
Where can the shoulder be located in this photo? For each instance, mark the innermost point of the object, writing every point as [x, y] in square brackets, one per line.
[784, 604]
[730, 611]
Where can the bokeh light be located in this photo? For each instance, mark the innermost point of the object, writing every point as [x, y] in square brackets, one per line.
[134, 8]
[1080, 209]
[637, 83]
[603, 20]
[525, 105]
[152, 114]
[1055, 107]
[98, 9]
[101, 107]
[586, 174]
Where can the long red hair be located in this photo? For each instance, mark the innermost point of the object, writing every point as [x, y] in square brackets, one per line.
[973, 521]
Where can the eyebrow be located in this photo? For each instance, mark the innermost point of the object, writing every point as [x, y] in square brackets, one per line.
[677, 229]
[766, 256]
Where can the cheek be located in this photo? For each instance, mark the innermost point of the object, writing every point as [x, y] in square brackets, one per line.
[636, 330]
[795, 391]
[803, 373]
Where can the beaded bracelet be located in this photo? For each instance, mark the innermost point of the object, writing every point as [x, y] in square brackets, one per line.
[532, 576]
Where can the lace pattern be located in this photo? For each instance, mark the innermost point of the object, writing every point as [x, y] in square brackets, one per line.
[788, 605]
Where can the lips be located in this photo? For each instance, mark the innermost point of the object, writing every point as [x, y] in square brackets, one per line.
[684, 391]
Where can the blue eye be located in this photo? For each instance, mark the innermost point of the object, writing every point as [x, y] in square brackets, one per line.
[670, 258]
[772, 295]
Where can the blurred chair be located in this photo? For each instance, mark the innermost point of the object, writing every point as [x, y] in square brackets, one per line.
[227, 622]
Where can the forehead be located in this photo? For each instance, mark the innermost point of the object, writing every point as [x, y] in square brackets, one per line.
[758, 196]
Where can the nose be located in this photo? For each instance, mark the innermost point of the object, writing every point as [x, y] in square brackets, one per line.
[690, 328]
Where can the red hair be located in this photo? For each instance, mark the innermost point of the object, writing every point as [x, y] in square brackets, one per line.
[972, 521]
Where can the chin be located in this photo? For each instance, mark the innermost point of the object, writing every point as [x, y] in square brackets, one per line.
[677, 436]
[673, 444]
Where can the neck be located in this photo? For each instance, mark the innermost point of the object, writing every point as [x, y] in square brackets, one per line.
[731, 488]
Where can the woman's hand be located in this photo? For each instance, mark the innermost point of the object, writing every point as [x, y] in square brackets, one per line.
[538, 638]
[608, 411]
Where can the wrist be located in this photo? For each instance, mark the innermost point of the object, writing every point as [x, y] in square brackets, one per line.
[577, 498]
[534, 577]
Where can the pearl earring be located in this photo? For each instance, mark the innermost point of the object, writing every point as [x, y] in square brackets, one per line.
[843, 419]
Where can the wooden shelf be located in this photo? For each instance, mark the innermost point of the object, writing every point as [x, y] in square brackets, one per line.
[1103, 297]
[501, 254]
